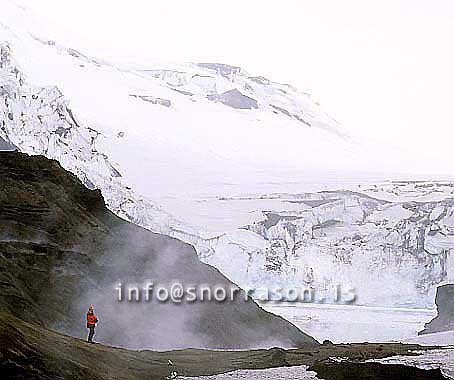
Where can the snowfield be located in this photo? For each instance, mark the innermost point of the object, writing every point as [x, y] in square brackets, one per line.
[357, 324]
[282, 373]
[445, 338]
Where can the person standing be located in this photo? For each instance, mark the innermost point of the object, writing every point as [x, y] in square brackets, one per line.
[92, 320]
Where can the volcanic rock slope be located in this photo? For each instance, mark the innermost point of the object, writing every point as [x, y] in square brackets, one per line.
[61, 249]
[444, 321]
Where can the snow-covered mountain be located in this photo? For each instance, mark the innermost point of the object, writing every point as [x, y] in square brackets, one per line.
[177, 129]
[219, 158]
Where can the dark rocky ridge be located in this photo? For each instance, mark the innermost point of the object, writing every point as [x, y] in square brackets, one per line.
[62, 249]
[28, 351]
[444, 321]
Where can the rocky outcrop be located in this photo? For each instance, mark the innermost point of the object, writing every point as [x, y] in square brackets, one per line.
[61, 249]
[444, 321]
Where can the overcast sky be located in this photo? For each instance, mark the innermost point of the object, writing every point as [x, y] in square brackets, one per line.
[383, 68]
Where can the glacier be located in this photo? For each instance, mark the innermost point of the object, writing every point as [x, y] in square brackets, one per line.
[267, 186]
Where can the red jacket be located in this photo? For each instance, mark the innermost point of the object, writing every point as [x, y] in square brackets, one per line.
[91, 319]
